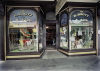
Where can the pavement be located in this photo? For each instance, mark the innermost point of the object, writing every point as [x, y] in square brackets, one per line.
[53, 61]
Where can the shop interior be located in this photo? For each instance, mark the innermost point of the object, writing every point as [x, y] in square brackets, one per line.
[51, 36]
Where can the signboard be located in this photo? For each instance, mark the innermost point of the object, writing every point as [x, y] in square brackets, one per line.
[81, 16]
[23, 18]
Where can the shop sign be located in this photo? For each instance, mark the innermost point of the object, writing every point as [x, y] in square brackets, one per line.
[81, 16]
[23, 18]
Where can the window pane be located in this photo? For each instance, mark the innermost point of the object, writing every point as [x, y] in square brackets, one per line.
[64, 37]
[64, 31]
[81, 29]
[81, 37]
[23, 31]
[63, 19]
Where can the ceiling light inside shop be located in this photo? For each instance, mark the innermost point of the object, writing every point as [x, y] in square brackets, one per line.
[47, 27]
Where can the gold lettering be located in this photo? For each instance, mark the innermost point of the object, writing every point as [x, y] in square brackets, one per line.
[81, 14]
[24, 14]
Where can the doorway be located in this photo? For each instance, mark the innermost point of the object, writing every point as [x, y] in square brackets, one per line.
[50, 36]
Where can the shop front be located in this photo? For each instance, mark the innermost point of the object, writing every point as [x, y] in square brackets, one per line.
[25, 34]
[30, 29]
[24, 37]
[78, 29]
[25, 29]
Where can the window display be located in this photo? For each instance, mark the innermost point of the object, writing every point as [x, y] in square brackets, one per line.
[23, 31]
[64, 37]
[64, 31]
[81, 29]
[81, 37]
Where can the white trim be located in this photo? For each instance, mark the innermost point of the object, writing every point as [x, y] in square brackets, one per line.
[89, 1]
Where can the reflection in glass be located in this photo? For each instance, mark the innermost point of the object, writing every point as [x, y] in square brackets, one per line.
[64, 37]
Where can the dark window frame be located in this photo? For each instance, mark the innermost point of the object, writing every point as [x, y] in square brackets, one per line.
[93, 13]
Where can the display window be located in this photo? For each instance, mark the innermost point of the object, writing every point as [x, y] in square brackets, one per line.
[81, 37]
[81, 29]
[77, 29]
[64, 37]
[64, 30]
[24, 30]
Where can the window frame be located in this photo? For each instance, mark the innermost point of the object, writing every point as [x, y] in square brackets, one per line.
[92, 12]
[69, 11]
[64, 25]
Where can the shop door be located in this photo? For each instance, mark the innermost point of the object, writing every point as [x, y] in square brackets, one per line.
[50, 35]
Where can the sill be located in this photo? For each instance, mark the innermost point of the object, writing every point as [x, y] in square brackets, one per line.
[78, 52]
[25, 56]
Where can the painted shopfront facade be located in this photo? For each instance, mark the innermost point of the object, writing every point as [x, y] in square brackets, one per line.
[78, 31]
[30, 28]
